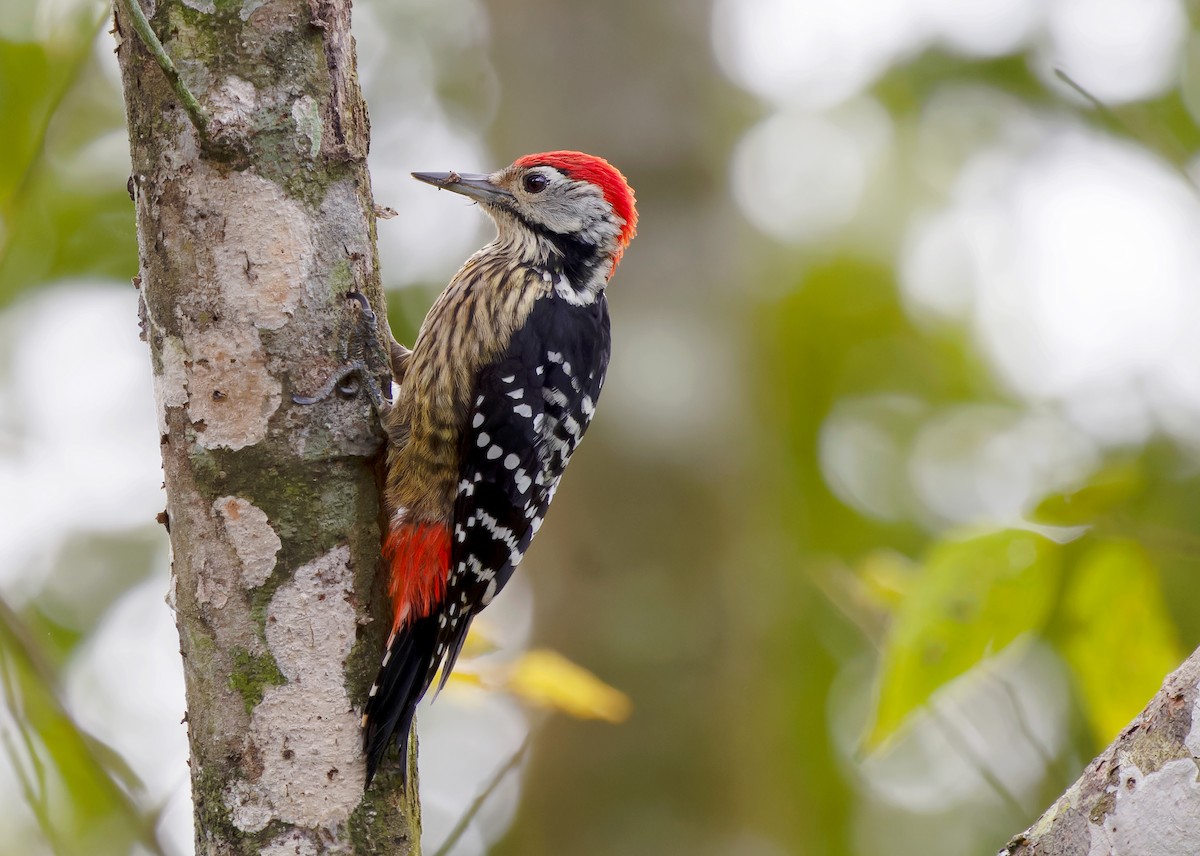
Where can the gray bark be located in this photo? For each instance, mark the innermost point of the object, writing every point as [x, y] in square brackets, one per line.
[1141, 796]
[254, 220]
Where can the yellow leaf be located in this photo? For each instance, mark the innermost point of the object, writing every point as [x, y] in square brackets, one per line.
[1120, 641]
[552, 681]
[459, 676]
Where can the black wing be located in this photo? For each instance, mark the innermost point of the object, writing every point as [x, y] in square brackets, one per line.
[529, 413]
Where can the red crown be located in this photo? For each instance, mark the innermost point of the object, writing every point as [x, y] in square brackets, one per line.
[583, 167]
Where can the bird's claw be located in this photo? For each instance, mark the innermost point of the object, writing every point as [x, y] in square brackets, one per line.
[364, 306]
[355, 375]
[347, 382]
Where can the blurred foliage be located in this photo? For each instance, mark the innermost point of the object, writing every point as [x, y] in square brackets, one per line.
[542, 678]
[56, 219]
[1116, 634]
[551, 681]
[1107, 491]
[84, 796]
[777, 638]
[970, 599]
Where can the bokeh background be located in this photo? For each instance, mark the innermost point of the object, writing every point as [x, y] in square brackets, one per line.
[891, 515]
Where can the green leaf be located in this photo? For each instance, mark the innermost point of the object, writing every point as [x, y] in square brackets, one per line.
[69, 779]
[971, 598]
[27, 98]
[57, 218]
[1105, 491]
[1119, 641]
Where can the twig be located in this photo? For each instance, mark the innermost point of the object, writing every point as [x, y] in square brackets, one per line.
[1078, 89]
[1167, 145]
[967, 752]
[473, 809]
[1048, 758]
[191, 106]
[35, 797]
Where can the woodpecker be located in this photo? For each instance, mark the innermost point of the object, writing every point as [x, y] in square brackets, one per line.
[491, 403]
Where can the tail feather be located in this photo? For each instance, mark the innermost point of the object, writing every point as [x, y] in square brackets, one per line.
[418, 559]
[406, 671]
[448, 650]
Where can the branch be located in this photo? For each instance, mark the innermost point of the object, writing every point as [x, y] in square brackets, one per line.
[1141, 795]
[133, 8]
[273, 507]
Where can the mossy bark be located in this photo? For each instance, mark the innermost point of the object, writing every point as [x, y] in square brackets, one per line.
[250, 234]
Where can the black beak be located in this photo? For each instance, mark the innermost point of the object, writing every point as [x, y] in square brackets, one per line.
[472, 185]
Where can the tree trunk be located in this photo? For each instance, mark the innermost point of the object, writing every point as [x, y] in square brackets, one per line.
[1141, 796]
[255, 218]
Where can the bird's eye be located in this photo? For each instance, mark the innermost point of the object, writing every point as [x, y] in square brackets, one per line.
[535, 182]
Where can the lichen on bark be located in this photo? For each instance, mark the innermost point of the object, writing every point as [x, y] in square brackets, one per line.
[1141, 796]
[250, 233]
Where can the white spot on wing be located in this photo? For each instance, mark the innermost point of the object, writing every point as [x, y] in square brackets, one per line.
[494, 452]
[511, 461]
[502, 533]
[477, 421]
[483, 440]
[523, 410]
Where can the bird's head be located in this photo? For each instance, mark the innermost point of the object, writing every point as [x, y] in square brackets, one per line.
[576, 204]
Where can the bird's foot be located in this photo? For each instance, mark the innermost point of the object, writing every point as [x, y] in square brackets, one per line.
[357, 375]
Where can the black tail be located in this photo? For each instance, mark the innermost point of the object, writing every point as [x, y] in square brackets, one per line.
[402, 681]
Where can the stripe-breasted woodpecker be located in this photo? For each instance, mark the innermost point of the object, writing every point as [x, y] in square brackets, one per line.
[490, 404]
